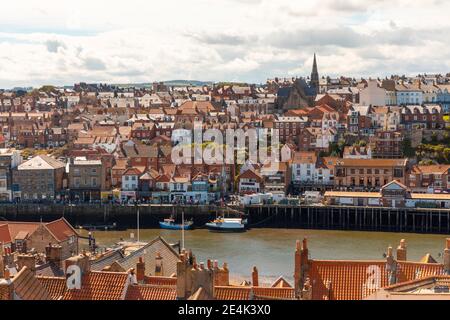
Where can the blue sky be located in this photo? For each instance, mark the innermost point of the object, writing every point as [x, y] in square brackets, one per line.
[61, 42]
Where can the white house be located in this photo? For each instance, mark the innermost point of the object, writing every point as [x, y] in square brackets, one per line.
[304, 167]
[373, 94]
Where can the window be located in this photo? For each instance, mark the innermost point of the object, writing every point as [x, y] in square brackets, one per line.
[398, 173]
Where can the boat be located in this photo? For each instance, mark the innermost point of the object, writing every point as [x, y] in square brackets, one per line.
[227, 225]
[170, 224]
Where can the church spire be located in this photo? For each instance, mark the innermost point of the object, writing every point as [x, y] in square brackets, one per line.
[315, 75]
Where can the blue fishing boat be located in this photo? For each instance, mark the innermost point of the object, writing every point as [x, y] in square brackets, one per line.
[170, 224]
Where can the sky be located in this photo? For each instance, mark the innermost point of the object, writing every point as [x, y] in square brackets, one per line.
[134, 41]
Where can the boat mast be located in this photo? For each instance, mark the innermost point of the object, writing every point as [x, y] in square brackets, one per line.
[182, 229]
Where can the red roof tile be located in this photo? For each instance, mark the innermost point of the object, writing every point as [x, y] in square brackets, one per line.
[54, 285]
[246, 293]
[150, 292]
[100, 285]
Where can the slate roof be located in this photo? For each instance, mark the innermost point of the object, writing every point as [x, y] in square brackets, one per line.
[148, 253]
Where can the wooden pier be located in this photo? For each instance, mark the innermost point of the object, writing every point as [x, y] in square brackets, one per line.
[415, 220]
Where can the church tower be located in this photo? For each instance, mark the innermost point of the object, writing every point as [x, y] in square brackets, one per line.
[315, 76]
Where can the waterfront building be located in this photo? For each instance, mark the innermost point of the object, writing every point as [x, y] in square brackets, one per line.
[392, 195]
[40, 178]
[9, 160]
[369, 173]
[430, 179]
[86, 179]
[250, 182]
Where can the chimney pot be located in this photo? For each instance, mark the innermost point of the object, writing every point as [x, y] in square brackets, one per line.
[255, 280]
[401, 251]
[305, 244]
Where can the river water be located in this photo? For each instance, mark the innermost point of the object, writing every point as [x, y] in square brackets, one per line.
[272, 250]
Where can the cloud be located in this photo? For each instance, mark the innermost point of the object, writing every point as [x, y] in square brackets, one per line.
[219, 40]
[54, 45]
[94, 64]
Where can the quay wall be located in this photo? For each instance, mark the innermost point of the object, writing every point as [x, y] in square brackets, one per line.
[415, 220]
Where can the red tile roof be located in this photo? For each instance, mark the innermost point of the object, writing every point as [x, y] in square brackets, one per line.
[5, 237]
[351, 280]
[27, 287]
[161, 281]
[100, 285]
[246, 293]
[151, 292]
[61, 229]
[54, 285]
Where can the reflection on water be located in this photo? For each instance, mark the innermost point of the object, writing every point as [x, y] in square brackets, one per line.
[272, 250]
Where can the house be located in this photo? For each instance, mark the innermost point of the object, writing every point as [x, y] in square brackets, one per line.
[86, 179]
[23, 236]
[387, 144]
[10, 159]
[304, 167]
[130, 183]
[357, 152]
[430, 179]
[178, 187]
[369, 173]
[428, 117]
[250, 182]
[39, 178]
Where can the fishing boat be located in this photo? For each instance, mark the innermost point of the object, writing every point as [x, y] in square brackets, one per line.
[227, 225]
[170, 224]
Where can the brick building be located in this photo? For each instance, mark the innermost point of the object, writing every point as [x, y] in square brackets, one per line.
[40, 178]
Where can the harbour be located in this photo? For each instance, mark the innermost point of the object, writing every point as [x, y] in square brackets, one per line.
[321, 217]
[272, 250]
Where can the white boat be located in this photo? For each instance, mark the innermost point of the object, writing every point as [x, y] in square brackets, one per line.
[227, 225]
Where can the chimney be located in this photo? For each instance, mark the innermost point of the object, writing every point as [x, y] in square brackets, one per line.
[191, 277]
[158, 265]
[401, 251]
[447, 256]
[255, 279]
[6, 287]
[221, 275]
[140, 270]
[81, 260]
[53, 254]
[26, 260]
[391, 267]
[182, 275]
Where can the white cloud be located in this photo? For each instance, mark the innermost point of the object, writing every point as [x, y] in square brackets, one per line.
[52, 41]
